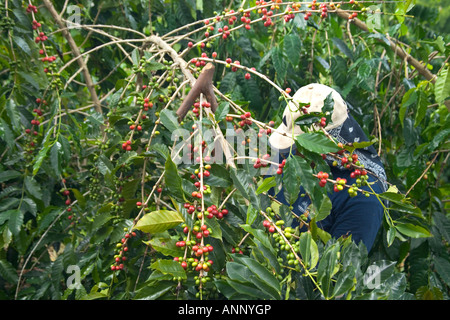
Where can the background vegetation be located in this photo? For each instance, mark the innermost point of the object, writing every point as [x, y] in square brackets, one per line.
[86, 169]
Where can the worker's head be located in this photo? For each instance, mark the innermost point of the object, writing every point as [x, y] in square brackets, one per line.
[314, 95]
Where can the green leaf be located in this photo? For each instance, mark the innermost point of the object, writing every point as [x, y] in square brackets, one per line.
[15, 222]
[315, 142]
[266, 185]
[409, 98]
[378, 272]
[247, 289]
[22, 44]
[8, 272]
[173, 180]
[238, 271]
[241, 180]
[171, 267]
[252, 214]
[4, 216]
[262, 285]
[308, 250]
[40, 158]
[291, 180]
[292, 47]
[104, 165]
[442, 86]
[9, 175]
[216, 230]
[220, 178]
[413, 231]
[399, 202]
[324, 208]
[345, 281]
[161, 149]
[305, 174]
[79, 197]
[422, 106]
[425, 293]
[154, 291]
[33, 187]
[159, 221]
[222, 110]
[101, 219]
[341, 45]
[279, 62]
[47, 217]
[94, 296]
[169, 120]
[55, 159]
[327, 268]
[165, 245]
[260, 235]
[6, 133]
[442, 266]
[269, 255]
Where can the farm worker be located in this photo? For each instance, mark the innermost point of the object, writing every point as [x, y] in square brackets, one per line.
[359, 216]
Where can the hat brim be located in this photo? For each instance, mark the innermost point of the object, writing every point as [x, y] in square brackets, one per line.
[281, 139]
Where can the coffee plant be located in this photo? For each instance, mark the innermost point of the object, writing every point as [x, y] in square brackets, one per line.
[135, 162]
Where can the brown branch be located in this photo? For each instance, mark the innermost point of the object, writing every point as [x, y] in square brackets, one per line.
[187, 73]
[202, 85]
[76, 52]
[421, 68]
[397, 49]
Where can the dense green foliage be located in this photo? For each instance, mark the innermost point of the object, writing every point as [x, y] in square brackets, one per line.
[88, 170]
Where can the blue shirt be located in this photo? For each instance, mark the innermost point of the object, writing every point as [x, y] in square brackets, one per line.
[358, 216]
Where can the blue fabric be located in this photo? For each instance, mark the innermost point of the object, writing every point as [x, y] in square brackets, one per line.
[358, 216]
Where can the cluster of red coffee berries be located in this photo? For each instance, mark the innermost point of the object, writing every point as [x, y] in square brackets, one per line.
[127, 145]
[201, 232]
[224, 31]
[339, 185]
[266, 14]
[281, 166]
[66, 193]
[236, 250]
[245, 119]
[307, 15]
[269, 226]
[263, 131]
[261, 163]
[122, 249]
[198, 62]
[348, 160]
[36, 25]
[246, 20]
[147, 104]
[196, 107]
[353, 16]
[324, 10]
[31, 9]
[41, 37]
[323, 177]
[209, 29]
[195, 263]
[190, 210]
[289, 15]
[135, 127]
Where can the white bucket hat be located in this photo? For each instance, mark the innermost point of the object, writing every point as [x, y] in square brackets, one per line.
[314, 94]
